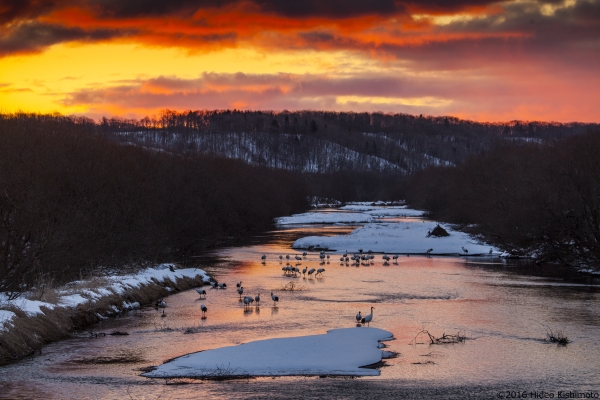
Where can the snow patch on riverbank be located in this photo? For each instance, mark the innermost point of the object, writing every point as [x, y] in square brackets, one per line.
[339, 352]
[78, 293]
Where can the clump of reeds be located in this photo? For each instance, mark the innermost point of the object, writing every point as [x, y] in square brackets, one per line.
[559, 338]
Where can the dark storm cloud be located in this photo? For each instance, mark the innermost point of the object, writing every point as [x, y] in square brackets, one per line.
[34, 36]
[11, 10]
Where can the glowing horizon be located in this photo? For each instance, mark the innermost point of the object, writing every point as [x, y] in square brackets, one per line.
[477, 60]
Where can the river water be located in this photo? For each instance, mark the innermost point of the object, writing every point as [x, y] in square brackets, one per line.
[504, 309]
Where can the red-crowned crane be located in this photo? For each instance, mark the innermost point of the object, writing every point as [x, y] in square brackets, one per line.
[368, 318]
[311, 271]
[304, 270]
[222, 286]
[203, 309]
[240, 291]
[257, 299]
[320, 271]
[358, 317]
[248, 300]
[274, 298]
[201, 292]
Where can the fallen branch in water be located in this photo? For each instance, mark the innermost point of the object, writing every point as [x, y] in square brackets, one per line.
[291, 287]
[444, 339]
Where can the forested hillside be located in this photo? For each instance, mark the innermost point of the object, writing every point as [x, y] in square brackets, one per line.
[325, 142]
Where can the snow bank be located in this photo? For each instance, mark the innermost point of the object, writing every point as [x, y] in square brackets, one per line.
[72, 297]
[402, 237]
[5, 319]
[339, 352]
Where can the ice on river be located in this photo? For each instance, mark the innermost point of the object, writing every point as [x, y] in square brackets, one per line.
[401, 237]
[339, 352]
[352, 214]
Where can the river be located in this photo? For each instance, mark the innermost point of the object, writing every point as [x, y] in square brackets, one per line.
[505, 309]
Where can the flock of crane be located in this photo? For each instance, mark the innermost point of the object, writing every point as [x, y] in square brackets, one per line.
[358, 258]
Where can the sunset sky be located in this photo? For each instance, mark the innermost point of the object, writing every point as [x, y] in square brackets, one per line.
[473, 59]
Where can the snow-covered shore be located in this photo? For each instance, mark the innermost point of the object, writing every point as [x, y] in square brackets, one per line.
[339, 352]
[80, 303]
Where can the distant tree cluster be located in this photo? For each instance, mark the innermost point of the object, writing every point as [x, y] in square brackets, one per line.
[532, 199]
[71, 200]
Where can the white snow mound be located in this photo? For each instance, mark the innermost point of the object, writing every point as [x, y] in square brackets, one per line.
[339, 352]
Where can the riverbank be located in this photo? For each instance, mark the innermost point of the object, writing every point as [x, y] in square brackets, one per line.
[47, 314]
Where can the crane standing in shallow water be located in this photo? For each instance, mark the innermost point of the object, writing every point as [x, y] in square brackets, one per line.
[368, 318]
[274, 298]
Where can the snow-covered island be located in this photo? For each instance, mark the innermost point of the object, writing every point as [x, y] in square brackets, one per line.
[339, 352]
[409, 236]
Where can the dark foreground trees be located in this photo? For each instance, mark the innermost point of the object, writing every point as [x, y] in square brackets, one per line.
[72, 201]
[529, 199]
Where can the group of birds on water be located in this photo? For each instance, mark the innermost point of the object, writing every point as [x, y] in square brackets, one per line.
[247, 300]
[357, 258]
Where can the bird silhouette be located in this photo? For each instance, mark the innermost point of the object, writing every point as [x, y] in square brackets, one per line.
[204, 309]
[368, 318]
[465, 250]
[320, 271]
[311, 271]
[201, 292]
[240, 291]
[358, 317]
[274, 298]
[257, 299]
[239, 284]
